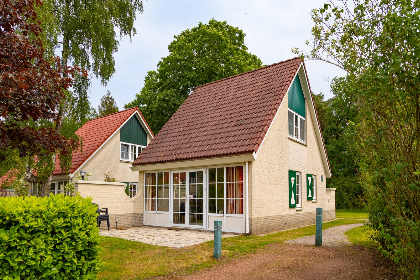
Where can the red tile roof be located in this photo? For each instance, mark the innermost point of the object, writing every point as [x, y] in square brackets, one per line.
[225, 117]
[94, 133]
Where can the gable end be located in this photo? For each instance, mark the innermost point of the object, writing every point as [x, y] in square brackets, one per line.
[132, 132]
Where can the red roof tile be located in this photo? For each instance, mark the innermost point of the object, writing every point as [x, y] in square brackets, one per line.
[225, 117]
[94, 133]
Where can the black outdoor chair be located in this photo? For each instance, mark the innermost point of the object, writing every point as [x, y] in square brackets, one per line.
[102, 217]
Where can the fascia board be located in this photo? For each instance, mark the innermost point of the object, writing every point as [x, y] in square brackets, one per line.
[194, 163]
[308, 94]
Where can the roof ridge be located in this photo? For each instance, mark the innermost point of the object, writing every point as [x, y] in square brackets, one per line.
[250, 71]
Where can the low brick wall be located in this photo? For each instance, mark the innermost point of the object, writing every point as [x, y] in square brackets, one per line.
[269, 224]
[111, 195]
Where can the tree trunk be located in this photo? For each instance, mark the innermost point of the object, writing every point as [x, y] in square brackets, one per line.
[46, 183]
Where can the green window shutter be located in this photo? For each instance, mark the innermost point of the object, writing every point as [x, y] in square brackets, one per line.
[292, 189]
[310, 186]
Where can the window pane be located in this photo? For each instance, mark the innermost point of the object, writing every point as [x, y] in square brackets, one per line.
[212, 190]
[291, 125]
[296, 126]
[150, 204]
[166, 191]
[220, 175]
[212, 175]
[230, 190]
[212, 205]
[160, 178]
[220, 206]
[124, 151]
[239, 174]
[239, 206]
[133, 152]
[220, 190]
[302, 129]
[239, 190]
[160, 192]
[230, 205]
[163, 205]
[200, 177]
[166, 178]
[193, 177]
[176, 205]
[230, 173]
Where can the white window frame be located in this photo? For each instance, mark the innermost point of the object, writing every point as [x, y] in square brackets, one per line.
[130, 191]
[314, 182]
[298, 138]
[298, 190]
[156, 191]
[131, 158]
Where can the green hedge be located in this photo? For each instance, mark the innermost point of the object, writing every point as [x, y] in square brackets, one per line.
[48, 238]
[349, 193]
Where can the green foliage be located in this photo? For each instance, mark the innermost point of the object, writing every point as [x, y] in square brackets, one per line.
[378, 44]
[107, 105]
[86, 31]
[48, 238]
[197, 56]
[349, 193]
[109, 177]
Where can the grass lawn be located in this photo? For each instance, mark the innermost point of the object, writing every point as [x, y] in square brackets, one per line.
[351, 214]
[124, 259]
[361, 236]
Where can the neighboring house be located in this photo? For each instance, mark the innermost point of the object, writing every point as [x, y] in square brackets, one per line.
[109, 146]
[246, 150]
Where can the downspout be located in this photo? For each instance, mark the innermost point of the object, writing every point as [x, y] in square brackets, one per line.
[247, 199]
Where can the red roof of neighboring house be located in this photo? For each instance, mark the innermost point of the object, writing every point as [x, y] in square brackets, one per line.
[225, 117]
[94, 133]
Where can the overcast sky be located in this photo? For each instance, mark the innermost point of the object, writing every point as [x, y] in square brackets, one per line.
[272, 29]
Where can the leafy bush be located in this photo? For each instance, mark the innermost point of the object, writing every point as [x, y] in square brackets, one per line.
[349, 193]
[53, 237]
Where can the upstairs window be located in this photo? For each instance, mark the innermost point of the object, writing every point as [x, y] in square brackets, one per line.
[129, 152]
[296, 126]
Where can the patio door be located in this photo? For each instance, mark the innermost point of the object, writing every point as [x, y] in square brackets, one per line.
[188, 198]
[196, 198]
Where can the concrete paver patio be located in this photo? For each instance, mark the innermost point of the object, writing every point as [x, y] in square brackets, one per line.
[163, 236]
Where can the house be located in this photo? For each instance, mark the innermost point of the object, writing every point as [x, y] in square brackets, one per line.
[109, 146]
[246, 150]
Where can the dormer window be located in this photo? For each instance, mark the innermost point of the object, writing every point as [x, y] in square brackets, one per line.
[129, 152]
[296, 120]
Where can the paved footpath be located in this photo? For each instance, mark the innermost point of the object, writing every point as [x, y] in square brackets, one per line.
[163, 236]
[334, 236]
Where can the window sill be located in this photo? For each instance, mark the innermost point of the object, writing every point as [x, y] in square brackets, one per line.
[314, 201]
[299, 209]
[126, 160]
[297, 140]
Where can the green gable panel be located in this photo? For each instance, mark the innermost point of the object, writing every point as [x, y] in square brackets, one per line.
[132, 132]
[296, 97]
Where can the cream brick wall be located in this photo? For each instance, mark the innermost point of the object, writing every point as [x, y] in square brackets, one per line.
[128, 211]
[107, 158]
[277, 155]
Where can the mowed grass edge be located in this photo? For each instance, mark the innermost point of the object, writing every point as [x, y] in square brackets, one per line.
[124, 259]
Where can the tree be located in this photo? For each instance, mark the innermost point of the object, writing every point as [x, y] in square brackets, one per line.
[378, 44]
[84, 31]
[197, 56]
[31, 87]
[107, 105]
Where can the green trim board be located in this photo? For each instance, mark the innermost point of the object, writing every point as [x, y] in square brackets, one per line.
[292, 189]
[133, 132]
[310, 186]
[296, 98]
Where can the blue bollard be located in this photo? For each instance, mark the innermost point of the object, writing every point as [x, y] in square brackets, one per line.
[318, 234]
[217, 239]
